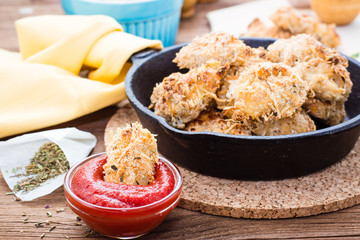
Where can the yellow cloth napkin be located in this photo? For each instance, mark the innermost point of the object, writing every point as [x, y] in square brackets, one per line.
[40, 86]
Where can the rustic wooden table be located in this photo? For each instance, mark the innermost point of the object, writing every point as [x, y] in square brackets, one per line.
[18, 219]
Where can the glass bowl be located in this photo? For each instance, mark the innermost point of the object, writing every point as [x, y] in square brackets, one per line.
[122, 223]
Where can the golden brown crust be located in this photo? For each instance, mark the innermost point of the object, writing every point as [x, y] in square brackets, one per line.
[331, 112]
[318, 65]
[323, 68]
[132, 156]
[222, 47]
[269, 90]
[180, 98]
[299, 122]
[214, 121]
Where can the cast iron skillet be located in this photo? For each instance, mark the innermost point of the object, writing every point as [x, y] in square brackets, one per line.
[240, 157]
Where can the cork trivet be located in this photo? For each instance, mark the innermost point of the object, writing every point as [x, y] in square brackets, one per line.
[332, 189]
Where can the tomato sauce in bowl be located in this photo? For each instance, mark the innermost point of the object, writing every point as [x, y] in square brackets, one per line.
[120, 210]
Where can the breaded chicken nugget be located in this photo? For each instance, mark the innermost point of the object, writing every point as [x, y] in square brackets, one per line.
[269, 90]
[323, 68]
[214, 121]
[132, 156]
[299, 122]
[258, 55]
[329, 82]
[331, 112]
[223, 47]
[180, 98]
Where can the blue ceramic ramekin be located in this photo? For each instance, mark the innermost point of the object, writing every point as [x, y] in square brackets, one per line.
[152, 19]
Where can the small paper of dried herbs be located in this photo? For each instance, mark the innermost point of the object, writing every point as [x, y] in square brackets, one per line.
[48, 162]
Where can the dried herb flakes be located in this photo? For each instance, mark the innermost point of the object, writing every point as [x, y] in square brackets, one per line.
[48, 162]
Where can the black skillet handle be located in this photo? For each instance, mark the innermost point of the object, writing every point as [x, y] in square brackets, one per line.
[167, 54]
[142, 56]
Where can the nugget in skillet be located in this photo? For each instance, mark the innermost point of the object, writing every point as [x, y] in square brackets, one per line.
[325, 71]
[267, 91]
[180, 98]
[299, 122]
[214, 121]
[223, 47]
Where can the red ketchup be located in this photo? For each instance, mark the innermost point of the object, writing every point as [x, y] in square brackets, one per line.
[88, 184]
[121, 210]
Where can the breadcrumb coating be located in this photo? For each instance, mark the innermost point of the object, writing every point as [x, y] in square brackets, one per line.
[269, 90]
[132, 156]
[324, 69]
[214, 121]
[180, 98]
[299, 122]
[331, 112]
[259, 55]
[222, 47]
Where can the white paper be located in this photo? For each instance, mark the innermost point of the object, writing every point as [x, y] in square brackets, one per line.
[18, 151]
[236, 19]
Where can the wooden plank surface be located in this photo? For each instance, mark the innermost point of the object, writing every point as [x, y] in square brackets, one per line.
[18, 219]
